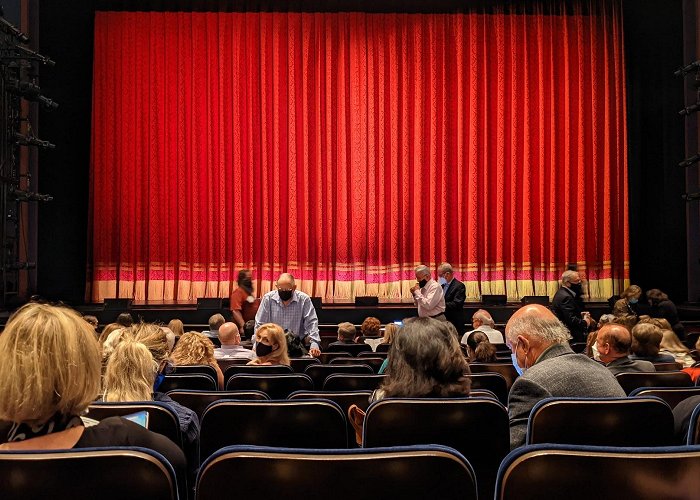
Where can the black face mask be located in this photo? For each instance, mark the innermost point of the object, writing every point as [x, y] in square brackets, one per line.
[422, 283]
[285, 295]
[578, 289]
[262, 349]
[247, 285]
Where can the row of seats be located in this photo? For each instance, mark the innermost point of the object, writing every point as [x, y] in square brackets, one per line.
[476, 427]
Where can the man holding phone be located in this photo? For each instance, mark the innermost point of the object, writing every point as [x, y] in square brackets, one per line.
[428, 296]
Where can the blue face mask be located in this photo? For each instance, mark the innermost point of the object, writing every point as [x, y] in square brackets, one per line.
[514, 358]
[442, 281]
[633, 300]
[159, 380]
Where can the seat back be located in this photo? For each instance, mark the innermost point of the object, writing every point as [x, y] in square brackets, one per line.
[632, 380]
[256, 370]
[383, 347]
[201, 369]
[275, 386]
[299, 364]
[326, 357]
[197, 401]
[409, 473]
[188, 381]
[161, 417]
[318, 373]
[374, 363]
[671, 395]
[353, 349]
[225, 363]
[601, 422]
[477, 428]
[602, 473]
[363, 355]
[351, 382]
[296, 424]
[87, 473]
[694, 427]
[494, 382]
[506, 369]
[668, 367]
[344, 399]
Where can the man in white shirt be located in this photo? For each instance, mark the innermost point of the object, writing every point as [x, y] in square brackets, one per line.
[428, 296]
[231, 348]
[483, 322]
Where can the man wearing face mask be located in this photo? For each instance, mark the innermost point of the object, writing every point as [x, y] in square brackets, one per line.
[455, 294]
[548, 367]
[292, 310]
[428, 296]
[566, 304]
[243, 298]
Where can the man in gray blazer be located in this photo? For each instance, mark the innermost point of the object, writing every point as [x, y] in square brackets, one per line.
[614, 343]
[539, 342]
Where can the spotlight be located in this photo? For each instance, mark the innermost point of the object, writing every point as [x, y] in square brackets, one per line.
[687, 69]
[690, 109]
[691, 196]
[31, 92]
[689, 161]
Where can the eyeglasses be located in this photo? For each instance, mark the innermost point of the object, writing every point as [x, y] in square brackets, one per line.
[283, 289]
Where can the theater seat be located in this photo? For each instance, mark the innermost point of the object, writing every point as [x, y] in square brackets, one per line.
[86, 474]
[601, 422]
[351, 382]
[299, 364]
[375, 363]
[298, 424]
[161, 417]
[601, 473]
[408, 473]
[694, 427]
[506, 369]
[631, 381]
[189, 381]
[200, 369]
[198, 401]
[275, 386]
[477, 428]
[318, 373]
[353, 349]
[256, 370]
[494, 382]
[671, 395]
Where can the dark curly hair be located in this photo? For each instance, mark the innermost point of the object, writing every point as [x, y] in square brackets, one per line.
[425, 361]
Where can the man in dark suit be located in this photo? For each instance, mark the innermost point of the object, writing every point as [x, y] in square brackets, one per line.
[549, 367]
[455, 295]
[567, 306]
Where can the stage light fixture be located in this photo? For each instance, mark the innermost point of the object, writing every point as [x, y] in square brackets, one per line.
[31, 92]
[694, 66]
[690, 109]
[691, 196]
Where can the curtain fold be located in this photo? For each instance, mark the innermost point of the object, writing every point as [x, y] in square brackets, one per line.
[347, 148]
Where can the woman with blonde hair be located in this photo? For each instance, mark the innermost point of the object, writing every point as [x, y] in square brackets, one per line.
[270, 346]
[671, 344]
[50, 373]
[109, 329]
[195, 348]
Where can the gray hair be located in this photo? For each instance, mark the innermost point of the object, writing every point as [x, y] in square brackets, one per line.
[568, 276]
[549, 330]
[445, 267]
[484, 317]
[422, 269]
[286, 276]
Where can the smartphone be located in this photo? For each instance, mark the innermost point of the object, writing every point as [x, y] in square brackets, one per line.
[140, 417]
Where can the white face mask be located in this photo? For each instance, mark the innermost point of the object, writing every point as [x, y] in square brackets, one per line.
[596, 354]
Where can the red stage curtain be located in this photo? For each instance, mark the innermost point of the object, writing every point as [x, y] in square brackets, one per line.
[347, 148]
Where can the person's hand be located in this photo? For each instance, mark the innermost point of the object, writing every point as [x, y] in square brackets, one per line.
[314, 352]
[414, 288]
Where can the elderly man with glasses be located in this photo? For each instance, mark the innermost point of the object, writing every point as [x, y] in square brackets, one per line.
[292, 310]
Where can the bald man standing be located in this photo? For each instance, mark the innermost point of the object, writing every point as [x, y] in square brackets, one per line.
[292, 310]
[549, 367]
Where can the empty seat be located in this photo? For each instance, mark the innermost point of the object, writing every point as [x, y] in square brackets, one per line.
[275, 386]
[353, 349]
[477, 428]
[326, 357]
[668, 367]
[409, 473]
[318, 373]
[298, 424]
[344, 399]
[161, 417]
[383, 347]
[494, 382]
[671, 395]
[600, 473]
[299, 364]
[189, 381]
[506, 369]
[83, 474]
[201, 369]
[198, 401]
[694, 427]
[374, 363]
[631, 381]
[362, 355]
[352, 382]
[256, 370]
[601, 422]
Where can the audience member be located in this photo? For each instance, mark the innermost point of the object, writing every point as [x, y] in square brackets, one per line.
[662, 307]
[646, 342]
[605, 318]
[427, 295]
[125, 320]
[629, 302]
[483, 322]
[626, 320]
[249, 330]
[346, 334]
[215, 322]
[50, 373]
[293, 311]
[672, 346]
[170, 337]
[231, 347]
[270, 346]
[479, 349]
[243, 294]
[455, 294]
[681, 417]
[92, 321]
[131, 376]
[694, 369]
[195, 348]
[390, 331]
[177, 327]
[567, 306]
[370, 328]
[549, 367]
[107, 330]
[613, 344]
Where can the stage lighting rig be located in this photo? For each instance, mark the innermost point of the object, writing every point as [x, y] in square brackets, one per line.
[689, 161]
[21, 195]
[691, 197]
[694, 66]
[11, 29]
[30, 91]
[30, 140]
